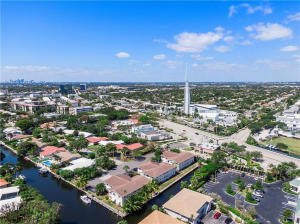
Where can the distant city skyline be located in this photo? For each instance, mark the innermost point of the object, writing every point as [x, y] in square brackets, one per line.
[150, 41]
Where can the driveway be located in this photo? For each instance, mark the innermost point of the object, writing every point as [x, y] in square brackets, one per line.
[119, 169]
[209, 218]
[270, 208]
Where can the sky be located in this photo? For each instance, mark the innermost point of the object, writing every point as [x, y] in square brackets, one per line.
[148, 41]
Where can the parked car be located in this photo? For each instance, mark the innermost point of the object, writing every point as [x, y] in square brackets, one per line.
[197, 133]
[257, 194]
[258, 191]
[228, 220]
[217, 215]
[249, 185]
[256, 199]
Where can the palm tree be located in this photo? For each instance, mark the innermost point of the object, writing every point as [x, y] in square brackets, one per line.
[126, 168]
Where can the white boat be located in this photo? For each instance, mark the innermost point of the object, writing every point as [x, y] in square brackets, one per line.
[21, 176]
[85, 199]
[43, 170]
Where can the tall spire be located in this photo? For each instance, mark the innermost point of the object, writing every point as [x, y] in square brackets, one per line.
[186, 93]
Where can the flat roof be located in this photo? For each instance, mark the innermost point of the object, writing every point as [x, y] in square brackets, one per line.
[9, 190]
[295, 182]
[187, 202]
[157, 217]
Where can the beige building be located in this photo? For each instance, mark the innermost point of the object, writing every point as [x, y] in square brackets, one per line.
[188, 206]
[180, 160]
[157, 217]
[158, 171]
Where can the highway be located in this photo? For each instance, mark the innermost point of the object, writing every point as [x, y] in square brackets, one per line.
[270, 157]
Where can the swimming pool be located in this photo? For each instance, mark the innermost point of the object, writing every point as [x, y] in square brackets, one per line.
[47, 163]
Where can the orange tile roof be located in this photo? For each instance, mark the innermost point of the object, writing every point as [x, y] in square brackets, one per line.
[3, 182]
[134, 146]
[96, 139]
[49, 150]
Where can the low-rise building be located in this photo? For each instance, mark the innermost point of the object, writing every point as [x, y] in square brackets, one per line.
[188, 206]
[155, 135]
[295, 184]
[9, 199]
[180, 160]
[158, 171]
[80, 163]
[79, 110]
[121, 186]
[158, 217]
[50, 150]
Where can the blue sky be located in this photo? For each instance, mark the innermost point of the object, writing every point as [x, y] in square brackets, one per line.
[150, 41]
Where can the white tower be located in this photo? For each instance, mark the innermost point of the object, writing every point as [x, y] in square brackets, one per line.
[186, 93]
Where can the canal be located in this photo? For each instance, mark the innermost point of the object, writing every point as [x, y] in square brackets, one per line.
[73, 210]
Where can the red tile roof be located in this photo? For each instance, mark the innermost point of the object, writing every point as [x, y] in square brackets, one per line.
[96, 139]
[131, 147]
[3, 182]
[134, 146]
[49, 150]
[135, 121]
[20, 136]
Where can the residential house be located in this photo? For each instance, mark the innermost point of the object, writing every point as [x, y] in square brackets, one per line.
[65, 156]
[158, 171]
[95, 140]
[79, 110]
[188, 206]
[9, 199]
[158, 217]
[121, 186]
[80, 163]
[50, 150]
[180, 160]
[3, 183]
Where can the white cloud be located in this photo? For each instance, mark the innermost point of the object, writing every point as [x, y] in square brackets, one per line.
[246, 42]
[159, 57]
[228, 38]
[221, 66]
[270, 31]
[250, 9]
[172, 64]
[222, 49]
[195, 65]
[274, 65]
[123, 55]
[194, 42]
[27, 68]
[200, 58]
[290, 48]
[294, 17]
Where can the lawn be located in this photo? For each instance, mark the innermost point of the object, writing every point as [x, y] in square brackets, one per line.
[292, 143]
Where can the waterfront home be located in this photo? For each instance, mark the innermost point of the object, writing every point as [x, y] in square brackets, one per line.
[83, 133]
[121, 186]
[3, 183]
[295, 184]
[158, 217]
[80, 163]
[188, 206]
[50, 150]
[158, 171]
[9, 199]
[95, 140]
[180, 160]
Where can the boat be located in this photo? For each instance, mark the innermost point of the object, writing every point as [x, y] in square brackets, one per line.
[21, 176]
[43, 170]
[85, 199]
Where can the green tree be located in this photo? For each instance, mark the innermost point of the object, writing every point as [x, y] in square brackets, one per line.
[100, 189]
[25, 148]
[287, 214]
[25, 124]
[126, 168]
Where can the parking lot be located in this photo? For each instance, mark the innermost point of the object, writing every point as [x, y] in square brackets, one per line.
[271, 206]
[209, 218]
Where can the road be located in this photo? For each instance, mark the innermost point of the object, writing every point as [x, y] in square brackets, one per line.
[239, 137]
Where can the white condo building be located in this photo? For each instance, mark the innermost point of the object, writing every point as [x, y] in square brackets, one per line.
[186, 94]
